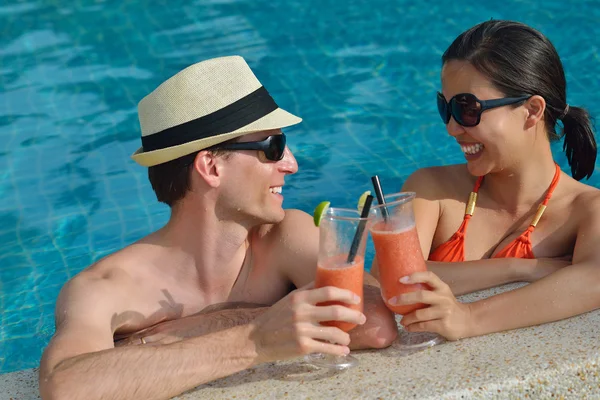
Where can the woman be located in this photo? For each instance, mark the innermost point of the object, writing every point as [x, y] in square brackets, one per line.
[503, 93]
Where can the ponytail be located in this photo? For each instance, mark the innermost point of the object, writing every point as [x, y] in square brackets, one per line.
[579, 143]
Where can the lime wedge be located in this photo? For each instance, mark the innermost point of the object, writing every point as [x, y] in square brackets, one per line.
[320, 211]
[362, 199]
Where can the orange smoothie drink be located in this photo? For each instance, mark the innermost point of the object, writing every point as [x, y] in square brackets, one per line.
[398, 253]
[335, 271]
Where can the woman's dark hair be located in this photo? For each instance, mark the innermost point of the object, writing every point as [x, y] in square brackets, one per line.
[520, 60]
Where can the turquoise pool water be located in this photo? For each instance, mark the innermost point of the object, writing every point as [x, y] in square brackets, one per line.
[363, 75]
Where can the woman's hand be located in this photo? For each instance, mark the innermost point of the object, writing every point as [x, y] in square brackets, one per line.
[445, 315]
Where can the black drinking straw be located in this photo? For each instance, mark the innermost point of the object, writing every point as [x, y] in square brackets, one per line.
[360, 229]
[380, 198]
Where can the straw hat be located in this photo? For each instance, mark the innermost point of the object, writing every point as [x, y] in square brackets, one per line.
[205, 104]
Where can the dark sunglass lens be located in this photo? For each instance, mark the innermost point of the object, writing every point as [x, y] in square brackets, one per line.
[466, 109]
[443, 108]
[276, 148]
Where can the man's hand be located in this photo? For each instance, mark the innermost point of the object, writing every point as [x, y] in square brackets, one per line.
[291, 327]
[381, 329]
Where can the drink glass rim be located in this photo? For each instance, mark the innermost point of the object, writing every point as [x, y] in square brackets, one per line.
[343, 214]
[395, 199]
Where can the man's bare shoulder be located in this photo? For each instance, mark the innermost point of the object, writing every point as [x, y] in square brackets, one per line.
[88, 308]
[292, 246]
[295, 224]
[99, 286]
[106, 285]
[123, 264]
[116, 267]
[295, 219]
[439, 182]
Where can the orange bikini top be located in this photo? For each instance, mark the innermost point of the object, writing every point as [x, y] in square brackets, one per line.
[454, 249]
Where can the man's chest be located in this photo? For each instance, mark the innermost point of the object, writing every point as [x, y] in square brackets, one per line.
[162, 300]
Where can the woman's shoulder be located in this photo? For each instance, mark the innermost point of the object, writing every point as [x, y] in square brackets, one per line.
[584, 211]
[582, 199]
[440, 181]
[579, 191]
[585, 196]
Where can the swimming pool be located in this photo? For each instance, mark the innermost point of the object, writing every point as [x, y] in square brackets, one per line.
[362, 74]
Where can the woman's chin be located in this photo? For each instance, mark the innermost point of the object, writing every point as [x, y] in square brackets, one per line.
[478, 168]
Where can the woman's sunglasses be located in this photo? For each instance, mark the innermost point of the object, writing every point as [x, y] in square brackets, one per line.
[272, 146]
[466, 108]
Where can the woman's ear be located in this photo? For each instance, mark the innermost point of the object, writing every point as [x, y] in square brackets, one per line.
[208, 168]
[535, 107]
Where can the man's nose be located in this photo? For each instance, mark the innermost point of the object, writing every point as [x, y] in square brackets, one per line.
[288, 163]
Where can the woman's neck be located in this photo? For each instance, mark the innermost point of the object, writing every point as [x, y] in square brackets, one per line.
[518, 187]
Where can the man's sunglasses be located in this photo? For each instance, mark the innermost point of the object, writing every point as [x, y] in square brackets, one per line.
[466, 108]
[272, 146]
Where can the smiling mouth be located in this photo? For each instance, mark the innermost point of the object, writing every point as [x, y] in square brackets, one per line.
[275, 190]
[471, 149]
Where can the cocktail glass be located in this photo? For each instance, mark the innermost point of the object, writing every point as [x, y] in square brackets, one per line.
[338, 238]
[398, 253]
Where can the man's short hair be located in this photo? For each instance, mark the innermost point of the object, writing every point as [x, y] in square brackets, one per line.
[171, 180]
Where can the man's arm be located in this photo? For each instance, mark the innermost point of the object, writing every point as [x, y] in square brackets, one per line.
[210, 320]
[298, 244]
[144, 372]
[81, 363]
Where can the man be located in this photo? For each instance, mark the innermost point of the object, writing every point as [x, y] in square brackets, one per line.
[183, 300]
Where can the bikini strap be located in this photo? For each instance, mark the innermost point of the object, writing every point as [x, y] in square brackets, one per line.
[473, 198]
[478, 184]
[542, 206]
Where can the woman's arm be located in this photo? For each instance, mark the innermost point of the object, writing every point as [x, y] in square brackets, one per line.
[570, 291]
[468, 276]
[471, 276]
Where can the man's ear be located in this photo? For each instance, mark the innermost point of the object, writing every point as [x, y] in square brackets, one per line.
[535, 107]
[208, 167]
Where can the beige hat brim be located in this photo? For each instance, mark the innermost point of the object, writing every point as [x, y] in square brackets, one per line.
[276, 119]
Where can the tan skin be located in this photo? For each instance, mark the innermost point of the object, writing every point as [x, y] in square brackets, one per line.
[518, 166]
[205, 293]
